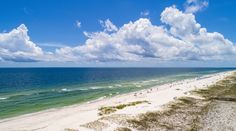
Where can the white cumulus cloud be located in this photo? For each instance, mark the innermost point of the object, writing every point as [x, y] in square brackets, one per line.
[16, 46]
[193, 6]
[108, 26]
[210, 45]
[179, 38]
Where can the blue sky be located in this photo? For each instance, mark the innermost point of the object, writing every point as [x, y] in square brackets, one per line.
[52, 24]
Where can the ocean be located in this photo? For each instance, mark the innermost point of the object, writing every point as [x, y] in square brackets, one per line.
[27, 90]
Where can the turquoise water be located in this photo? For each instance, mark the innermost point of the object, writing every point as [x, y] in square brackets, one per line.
[26, 90]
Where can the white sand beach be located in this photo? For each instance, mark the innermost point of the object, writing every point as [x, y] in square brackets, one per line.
[72, 117]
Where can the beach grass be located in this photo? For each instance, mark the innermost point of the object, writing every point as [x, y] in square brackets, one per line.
[69, 129]
[122, 129]
[110, 109]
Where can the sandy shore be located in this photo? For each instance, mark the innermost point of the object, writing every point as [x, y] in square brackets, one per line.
[72, 117]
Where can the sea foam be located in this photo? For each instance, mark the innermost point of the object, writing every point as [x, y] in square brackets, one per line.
[3, 98]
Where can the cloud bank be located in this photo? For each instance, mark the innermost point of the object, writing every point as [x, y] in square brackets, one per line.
[179, 37]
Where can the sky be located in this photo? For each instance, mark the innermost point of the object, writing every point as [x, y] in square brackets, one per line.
[117, 33]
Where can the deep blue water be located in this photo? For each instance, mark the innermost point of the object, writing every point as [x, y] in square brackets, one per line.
[25, 90]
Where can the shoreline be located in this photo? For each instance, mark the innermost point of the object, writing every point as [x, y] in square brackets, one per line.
[73, 116]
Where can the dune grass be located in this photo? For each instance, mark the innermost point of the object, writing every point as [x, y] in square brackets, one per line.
[69, 129]
[221, 90]
[122, 129]
[110, 109]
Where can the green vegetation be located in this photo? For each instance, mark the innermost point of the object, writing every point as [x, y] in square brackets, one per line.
[96, 125]
[123, 129]
[110, 109]
[179, 114]
[225, 90]
[69, 129]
